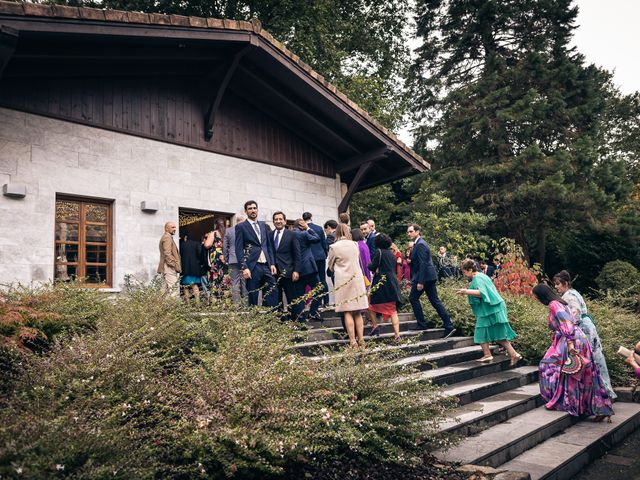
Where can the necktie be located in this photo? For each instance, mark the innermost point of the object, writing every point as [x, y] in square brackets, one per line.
[278, 238]
[257, 229]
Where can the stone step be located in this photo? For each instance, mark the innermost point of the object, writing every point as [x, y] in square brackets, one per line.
[492, 384]
[331, 320]
[429, 361]
[474, 417]
[393, 350]
[319, 333]
[505, 441]
[563, 456]
[464, 371]
[313, 348]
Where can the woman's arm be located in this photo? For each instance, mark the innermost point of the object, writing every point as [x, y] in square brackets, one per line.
[466, 291]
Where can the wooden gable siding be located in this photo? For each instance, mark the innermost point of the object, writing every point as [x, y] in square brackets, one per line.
[165, 110]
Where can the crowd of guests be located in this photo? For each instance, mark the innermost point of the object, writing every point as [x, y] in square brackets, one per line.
[288, 267]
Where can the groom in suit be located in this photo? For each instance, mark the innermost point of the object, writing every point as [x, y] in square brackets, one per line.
[254, 249]
[287, 256]
[423, 279]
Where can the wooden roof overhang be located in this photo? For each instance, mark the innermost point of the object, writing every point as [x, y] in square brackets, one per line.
[53, 41]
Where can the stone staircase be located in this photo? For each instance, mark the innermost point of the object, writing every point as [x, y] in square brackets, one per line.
[500, 412]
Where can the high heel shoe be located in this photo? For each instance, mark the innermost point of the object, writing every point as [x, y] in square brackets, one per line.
[515, 360]
[375, 332]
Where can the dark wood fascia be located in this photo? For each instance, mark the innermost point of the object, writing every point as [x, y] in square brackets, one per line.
[8, 42]
[288, 103]
[220, 89]
[354, 186]
[386, 178]
[355, 162]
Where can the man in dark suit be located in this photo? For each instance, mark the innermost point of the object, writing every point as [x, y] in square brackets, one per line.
[423, 279]
[369, 235]
[308, 268]
[287, 253]
[320, 251]
[254, 249]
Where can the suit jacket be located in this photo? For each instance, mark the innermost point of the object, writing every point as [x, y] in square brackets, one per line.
[422, 268]
[370, 243]
[248, 246]
[307, 239]
[319, 249]
[287, 254]
[168, 254]
[229, 246]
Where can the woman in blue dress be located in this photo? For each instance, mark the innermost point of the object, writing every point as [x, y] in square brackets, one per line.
[575, 302]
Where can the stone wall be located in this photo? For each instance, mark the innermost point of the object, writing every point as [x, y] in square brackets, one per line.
[56, 157]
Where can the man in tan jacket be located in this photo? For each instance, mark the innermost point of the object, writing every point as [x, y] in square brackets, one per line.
[169, 266]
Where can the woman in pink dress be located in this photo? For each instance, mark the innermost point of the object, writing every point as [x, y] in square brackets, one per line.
[580, 394]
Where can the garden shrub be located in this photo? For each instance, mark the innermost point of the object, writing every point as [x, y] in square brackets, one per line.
[514, 276]
[160, 390]
[619, 276]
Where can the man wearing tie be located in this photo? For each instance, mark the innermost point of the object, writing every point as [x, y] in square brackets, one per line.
[287, 256]
[254, 249]
[320, 250]
[423, 279]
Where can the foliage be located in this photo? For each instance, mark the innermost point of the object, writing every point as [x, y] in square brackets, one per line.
[514, 122]
[619, 276]
[160, 390]
[514, 276]
[359, 45]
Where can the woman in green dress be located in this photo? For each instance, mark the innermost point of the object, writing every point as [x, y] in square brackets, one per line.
[492, 324]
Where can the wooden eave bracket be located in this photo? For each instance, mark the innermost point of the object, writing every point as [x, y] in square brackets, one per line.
[353, 186]
[221, 88]
[8, 43]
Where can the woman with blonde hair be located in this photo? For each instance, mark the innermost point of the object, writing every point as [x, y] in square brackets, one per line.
[350, 291]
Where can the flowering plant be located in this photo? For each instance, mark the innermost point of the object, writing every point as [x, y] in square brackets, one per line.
[514, 275]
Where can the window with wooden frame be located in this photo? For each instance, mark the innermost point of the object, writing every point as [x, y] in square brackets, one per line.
[83, 241]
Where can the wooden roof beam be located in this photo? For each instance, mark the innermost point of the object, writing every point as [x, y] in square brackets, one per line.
[356, 161]
[220, 89]
[354, 185]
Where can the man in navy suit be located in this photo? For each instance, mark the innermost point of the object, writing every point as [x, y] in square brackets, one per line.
[308, 268]
[369, 235]
[320, 251]
[423, 279]
[287, 254]
[254, 249]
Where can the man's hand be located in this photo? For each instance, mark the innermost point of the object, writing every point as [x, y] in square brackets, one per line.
[246, 273]
[274, 270]
[295, 276]
[303, 225]
[419, 287]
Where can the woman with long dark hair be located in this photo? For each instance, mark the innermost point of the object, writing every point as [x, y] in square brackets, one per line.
[577, 305]
[569, 378]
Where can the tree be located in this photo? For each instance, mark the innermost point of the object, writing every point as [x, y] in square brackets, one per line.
[359, 45]
[513, 121]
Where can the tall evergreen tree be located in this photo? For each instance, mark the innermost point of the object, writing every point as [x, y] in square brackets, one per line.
[512, 119]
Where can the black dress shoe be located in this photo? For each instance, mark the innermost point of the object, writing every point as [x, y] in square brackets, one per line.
[448, 332]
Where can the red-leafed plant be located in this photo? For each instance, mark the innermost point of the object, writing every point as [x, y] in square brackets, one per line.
[514, 275]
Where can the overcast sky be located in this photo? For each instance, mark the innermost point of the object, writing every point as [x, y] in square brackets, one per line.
[607, 34]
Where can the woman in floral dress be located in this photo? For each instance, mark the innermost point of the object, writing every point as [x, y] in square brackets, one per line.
[577, 305]
[581, 394]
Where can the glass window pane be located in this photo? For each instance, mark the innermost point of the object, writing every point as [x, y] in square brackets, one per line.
[65, 273]
[66, 210]
[96, 274]
[96, 233]
[96, 213]
[67, 232]
[66, 253]
[96, 254]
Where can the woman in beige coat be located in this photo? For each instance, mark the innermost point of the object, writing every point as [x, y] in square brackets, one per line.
[350, 291]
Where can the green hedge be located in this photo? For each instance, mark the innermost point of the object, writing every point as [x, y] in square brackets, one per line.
[159, 390]
[616, 326]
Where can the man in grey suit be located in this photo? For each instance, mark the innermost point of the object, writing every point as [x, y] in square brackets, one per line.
[238, 283]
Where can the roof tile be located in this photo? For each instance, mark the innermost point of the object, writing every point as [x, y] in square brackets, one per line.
[179, 20]
[159, 19]
[12, 8]
[116, 16]
[65, 11]
[215, 23]
[198, 22]
[243, 25]
[92, 14]
[37, 9]
[138, 17]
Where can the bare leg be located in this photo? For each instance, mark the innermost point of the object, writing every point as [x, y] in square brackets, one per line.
[359, 328]
[486, 351]
[396, 324]
[507, 346]
[372, 319]
[348, 323]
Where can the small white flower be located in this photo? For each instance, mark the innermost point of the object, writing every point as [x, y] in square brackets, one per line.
[59, 466]
[19, 470]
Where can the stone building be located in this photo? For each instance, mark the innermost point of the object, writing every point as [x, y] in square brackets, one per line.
[112, 123]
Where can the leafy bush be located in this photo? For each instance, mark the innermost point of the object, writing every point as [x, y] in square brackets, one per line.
[619, 276]
[160, 390]
[515, 276]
